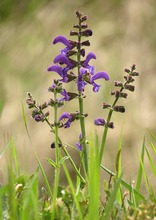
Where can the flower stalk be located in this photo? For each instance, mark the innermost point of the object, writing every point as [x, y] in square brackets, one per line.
[57, 153]
[118, 94]
[81, 108]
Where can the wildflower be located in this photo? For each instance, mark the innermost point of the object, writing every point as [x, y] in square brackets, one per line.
[80, 80]
[99, 75]
[68, 95]
[99, 122]
[78, 144]
[67, 116]
[39, 117]
[65, 41]
[61, 71]
[62, 59]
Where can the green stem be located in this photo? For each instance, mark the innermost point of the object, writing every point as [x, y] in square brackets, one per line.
[73, 164]
[103, 143]
[82, 118]
[57, 156]
[82, 124]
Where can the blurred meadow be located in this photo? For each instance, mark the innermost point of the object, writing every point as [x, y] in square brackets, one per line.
[124, 33]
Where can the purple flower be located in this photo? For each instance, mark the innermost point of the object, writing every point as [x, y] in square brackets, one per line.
[61, 71]
[86, 65]
[88, 58]
[99, 122]
[65, 41]
[67, 116]
[99, 75]
[62, 59]
[80, 81]
[66, 96]
[79, 146]
[39, 117]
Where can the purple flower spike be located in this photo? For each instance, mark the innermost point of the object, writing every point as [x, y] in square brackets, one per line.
[63, 40]
[99, 122]
[88, 58]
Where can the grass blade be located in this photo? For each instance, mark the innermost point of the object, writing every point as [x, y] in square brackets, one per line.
[151, 162]
[94, 180]
[39, 163]
[140, 171]
[125, 184]
[110, 204]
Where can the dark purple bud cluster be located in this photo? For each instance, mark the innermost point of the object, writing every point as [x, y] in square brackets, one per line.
[127, 85]
[37, 114]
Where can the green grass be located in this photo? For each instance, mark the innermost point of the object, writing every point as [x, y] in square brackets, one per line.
[20, 198]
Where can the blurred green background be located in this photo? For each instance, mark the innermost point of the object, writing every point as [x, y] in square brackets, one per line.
[124, 33]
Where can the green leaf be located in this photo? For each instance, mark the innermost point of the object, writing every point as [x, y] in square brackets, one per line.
[125, 184]
[140, 171]
[63, 159]
[151, 162]
[112, 199]
[52, 162]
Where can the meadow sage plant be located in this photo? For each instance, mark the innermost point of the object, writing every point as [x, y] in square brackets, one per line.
[72, 65]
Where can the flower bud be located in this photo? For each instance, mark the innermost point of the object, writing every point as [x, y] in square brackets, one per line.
[130, 88]
[47, 114]
[71, 76]
[127, 70]
[60, 104]
[123, 95]
[44, 105]
[84, 25]
[30, 103]
[51, 102]
[99, 122]
[78, 13]
[53, 145]
[86, 33]
[85, 43]
[119, 109]
[119, 94]
[82, 52]
[39, 117]
[105, 105]
[83, 18]
[133, 67]
[129, 78]
[76, 26]
[74, 33]
[110, 125]
[134, 74]
[71, 53]
[117, 83]
[73, 43]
